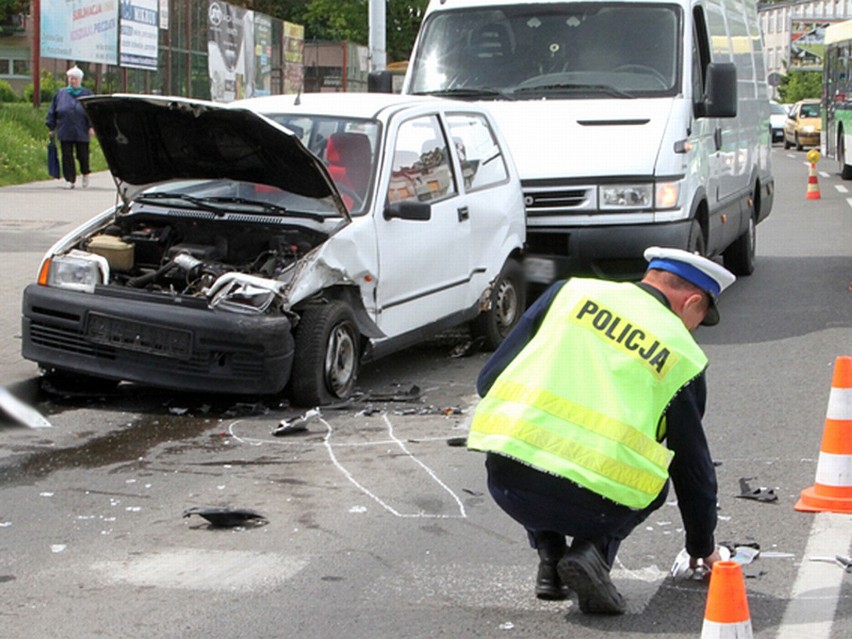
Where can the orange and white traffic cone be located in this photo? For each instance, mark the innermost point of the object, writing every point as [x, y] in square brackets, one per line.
[832, 490]
[726, 615]
[813, 182]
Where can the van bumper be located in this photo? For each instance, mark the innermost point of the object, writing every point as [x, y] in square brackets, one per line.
[610, 252]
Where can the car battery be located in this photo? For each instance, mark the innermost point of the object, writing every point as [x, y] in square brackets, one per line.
[118, 253]
[150, 243]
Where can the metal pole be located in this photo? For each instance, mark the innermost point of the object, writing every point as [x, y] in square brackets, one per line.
[36, 53]
[378, 46]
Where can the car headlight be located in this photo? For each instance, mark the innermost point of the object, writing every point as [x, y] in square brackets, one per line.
[662, 195]
[75, 271]
[808, 129]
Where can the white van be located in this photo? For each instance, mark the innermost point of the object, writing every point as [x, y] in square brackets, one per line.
[632, 123]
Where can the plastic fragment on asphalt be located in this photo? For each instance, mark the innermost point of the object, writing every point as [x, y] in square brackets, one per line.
[21, 412]
[297, 424]
[227, 517]
[757, 494]
[681, 570]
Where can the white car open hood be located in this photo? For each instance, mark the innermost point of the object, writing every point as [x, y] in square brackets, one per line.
[149, 140]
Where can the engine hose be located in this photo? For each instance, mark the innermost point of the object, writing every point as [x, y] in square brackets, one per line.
[143, 280]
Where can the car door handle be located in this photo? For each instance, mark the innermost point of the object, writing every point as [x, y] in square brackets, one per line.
[464, 213]
[717, 137]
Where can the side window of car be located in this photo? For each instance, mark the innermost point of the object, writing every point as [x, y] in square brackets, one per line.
[421, 169]
[481, 158]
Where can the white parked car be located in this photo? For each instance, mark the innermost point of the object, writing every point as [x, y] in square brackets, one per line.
[280, 241]
[777, 118]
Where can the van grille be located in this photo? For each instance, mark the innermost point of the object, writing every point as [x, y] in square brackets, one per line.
[542, 199]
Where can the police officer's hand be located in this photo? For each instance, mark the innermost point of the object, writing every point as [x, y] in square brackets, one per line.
[707, 561]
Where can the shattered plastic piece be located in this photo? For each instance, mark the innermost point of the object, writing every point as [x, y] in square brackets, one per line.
[466, 349]
[228, 517]
[772, 554]
[452, 410]
[178, 410]
[758, 494]
[21, 412]
[507, 625]
[296, 424]
[846, 562]
[412, 394]
[457, 441]
[744, 555]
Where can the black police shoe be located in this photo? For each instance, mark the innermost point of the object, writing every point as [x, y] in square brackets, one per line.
[583, 569]
[548, 585]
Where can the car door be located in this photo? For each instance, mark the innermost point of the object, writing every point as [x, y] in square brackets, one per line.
[489, 194]
[423, 263]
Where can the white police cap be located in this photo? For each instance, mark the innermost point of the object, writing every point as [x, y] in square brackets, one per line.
[706, 274]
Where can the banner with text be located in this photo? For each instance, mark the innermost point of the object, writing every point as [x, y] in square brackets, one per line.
[80, 30]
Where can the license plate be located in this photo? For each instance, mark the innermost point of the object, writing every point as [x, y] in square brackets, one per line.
[540, 270]
[139, 336]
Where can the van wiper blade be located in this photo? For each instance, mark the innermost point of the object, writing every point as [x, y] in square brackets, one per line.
[468, 92]
[570, 86]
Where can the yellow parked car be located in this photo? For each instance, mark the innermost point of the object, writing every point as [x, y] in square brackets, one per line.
[803, 125]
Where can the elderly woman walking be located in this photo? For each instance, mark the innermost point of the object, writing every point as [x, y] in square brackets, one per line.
[68, 122]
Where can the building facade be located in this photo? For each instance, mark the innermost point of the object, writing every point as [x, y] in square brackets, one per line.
[793, 32]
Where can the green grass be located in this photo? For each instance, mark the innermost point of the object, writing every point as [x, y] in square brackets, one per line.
[23, 145]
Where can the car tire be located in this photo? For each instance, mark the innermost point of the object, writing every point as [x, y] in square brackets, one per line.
[508, 302]
[739, 256]
[799, 146]
[327, 355]
[787, 144]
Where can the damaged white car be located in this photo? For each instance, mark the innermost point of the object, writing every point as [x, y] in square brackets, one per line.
[279, 242]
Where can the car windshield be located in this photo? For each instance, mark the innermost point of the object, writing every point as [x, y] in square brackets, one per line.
[571, 50]
[347, 146]
[233, 197]
[809, 111]
[777, 109]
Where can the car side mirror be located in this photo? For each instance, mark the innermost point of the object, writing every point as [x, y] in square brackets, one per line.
[720, 97]
[380, 82]
[409, 210]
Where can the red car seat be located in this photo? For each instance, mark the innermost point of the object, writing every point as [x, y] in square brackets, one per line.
[349, 163]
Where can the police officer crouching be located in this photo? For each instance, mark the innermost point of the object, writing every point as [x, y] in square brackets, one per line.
[577, 403]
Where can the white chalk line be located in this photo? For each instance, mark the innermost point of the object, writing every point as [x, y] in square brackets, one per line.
[392, 441]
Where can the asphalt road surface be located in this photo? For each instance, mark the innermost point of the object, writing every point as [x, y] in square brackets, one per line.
[378, 523]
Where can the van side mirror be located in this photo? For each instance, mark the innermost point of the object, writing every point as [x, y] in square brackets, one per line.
[380, 82]
[720, 98]
[409, 210]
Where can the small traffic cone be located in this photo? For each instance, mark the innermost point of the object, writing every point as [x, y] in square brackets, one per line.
[726, 615]
[813, 183]
[832, 490]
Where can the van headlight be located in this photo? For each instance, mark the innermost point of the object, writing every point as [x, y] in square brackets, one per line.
[74, 271]
[647, 195]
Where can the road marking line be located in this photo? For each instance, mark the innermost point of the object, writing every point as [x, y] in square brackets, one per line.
[824, 174]
[841, 189]
[816, 592]
[849, 201]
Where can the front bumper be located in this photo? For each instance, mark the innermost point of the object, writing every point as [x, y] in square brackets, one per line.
[611, 252]
[164, 343]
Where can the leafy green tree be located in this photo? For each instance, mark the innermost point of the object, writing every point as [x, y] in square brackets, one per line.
[349, 20]
[798, 85]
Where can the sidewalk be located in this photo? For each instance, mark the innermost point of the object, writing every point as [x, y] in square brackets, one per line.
[32, 217]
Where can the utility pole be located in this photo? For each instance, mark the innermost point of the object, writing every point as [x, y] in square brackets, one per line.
[36, 53]
[378, 46]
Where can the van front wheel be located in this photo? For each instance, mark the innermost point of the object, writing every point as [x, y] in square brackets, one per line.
[739, 256]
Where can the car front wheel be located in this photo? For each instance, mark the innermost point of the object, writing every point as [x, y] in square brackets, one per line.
[327, 357]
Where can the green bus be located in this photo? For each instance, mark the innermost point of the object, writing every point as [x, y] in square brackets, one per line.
[837, 97]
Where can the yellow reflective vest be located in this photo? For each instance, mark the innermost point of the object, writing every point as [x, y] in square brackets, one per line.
[585, 397]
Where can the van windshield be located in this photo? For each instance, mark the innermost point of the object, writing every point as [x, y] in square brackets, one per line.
[570, 50]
